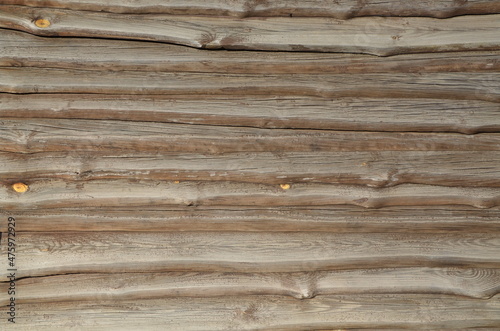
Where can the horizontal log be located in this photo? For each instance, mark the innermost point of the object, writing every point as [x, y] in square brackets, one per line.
[19, 49]
[356, 114]
[337, 219]
[43, 253]
[121, 193]
[243, 8]
[381, 169]
[382, 36]
[474, 283]
[459, 86]
[267, 313]
[123, 137]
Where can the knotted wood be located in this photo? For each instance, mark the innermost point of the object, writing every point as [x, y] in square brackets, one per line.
[296, 182]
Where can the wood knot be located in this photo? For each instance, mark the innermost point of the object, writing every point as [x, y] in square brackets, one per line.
[20, 187]
[285, 186]
[42, 23]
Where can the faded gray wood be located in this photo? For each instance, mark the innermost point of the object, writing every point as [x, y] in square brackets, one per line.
[269, 313]
[121, 193]
[375, 169]
[79, 136]
[381, 36]
[172, 187]
[475, 283]
[246, 8]
[19, 49]
[337, 219]
[348, 113]
[461, 86]
[42, 254]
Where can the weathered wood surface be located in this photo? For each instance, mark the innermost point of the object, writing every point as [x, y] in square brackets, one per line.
[78, 136]
[469, 282]
[270, 313]
[462, 86]
[254, 8]
[346, 114]
[120, 193]
[381, 36]
[184, 189]
[25, 50]
[340, 219]
[375, 169]
[174, 58]
[42, 254]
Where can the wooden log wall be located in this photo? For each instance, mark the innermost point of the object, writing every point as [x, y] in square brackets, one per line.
[250, 165]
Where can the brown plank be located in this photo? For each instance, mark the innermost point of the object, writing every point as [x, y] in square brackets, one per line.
[22, 49]
[42, 254]
[337, 219]
[268, 313]
[79, 136]
[474, 283]
[374, 169]
[357, 114]
[242, 8]
[371, 35]
[459, 86]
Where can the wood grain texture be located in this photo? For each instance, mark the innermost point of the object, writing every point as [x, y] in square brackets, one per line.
[19, 49]
[269, 313]
[461, 86]
[380, 36]
[273, 175]
[245, 8]
[120, 193]
[374, 169]
[474, 283]
[337, 219]
[42, 254]
[79, 136]
[348, 113]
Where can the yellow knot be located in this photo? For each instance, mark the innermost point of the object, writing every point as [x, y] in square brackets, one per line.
[176, 182]
[42, 23]
[285, 186]
[20, 187]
